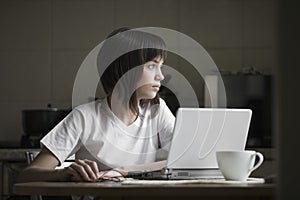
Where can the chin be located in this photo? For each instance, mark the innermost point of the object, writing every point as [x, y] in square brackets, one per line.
[150, 96]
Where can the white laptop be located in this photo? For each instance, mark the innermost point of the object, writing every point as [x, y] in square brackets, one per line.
[198, 134]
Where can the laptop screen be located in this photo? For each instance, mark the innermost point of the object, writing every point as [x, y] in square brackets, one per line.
[200, 132]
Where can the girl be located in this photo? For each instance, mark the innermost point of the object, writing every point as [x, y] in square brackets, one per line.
[123, 130]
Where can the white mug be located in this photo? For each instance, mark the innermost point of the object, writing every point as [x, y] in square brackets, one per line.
[238, 165]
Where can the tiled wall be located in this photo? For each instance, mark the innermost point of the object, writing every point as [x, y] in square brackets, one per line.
[43, 42]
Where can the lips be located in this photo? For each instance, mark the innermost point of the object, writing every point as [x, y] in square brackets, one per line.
[156, 87]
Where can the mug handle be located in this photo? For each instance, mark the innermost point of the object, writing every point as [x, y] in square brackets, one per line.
[260, 161]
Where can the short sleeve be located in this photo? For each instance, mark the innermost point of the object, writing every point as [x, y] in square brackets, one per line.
[63, 139]
[166, 121]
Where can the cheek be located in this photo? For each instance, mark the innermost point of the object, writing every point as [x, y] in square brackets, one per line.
[146, 78]
[144, 88]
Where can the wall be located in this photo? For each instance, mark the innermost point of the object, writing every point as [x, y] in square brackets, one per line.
[42, 43]
[289, 98]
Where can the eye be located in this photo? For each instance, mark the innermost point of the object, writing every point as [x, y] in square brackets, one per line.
[151, 66]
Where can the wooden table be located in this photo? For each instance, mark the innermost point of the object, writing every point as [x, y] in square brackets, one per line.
[112, 190]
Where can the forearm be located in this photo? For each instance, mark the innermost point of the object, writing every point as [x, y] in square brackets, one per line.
[149, 166]
[40, 174]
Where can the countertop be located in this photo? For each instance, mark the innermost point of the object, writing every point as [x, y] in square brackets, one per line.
[119, 191]
[15, 155]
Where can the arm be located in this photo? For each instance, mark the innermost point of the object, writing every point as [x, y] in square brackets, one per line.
[43, 169]
[149, 167]
[124, 171]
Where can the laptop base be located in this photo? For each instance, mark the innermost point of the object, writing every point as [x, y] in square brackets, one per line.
[177, 174]
[185, 174]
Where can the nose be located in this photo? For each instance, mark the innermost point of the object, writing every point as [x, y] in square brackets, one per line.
[159, 75]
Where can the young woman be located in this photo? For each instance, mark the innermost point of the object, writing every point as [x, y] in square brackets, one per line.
[121, 131]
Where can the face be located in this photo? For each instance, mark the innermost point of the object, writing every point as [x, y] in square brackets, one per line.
[149, 84]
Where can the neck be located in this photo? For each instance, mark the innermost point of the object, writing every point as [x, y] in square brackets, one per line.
[124, 113]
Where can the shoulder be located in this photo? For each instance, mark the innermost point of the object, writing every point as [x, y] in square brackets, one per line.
[159, 109]
[162, 104]
[89, 111]
[164, 110]
[91, 107]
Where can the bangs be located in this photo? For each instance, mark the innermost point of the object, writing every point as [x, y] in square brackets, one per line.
[151, 53]
[153, 47]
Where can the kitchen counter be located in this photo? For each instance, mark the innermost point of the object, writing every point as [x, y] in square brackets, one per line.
[113, 190]
[15, 155]
[12, 162]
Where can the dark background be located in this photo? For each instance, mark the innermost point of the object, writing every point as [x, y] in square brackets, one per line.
[288, 84]
[42, 44]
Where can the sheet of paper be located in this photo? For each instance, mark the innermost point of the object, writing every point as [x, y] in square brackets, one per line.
[129, 181]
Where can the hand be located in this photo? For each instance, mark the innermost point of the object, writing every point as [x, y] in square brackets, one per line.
[113, 173]
[81, 170]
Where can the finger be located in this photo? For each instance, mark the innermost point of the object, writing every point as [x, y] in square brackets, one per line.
[87, 169]
[93, 165]
[81, 170]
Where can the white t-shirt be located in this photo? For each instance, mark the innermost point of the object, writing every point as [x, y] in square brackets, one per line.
[92, 131]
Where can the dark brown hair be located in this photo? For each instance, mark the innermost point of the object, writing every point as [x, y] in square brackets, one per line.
[123, 50]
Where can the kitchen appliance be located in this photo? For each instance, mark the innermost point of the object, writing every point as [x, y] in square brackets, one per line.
[38, 122]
